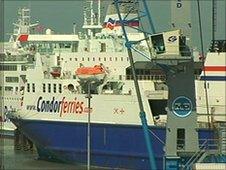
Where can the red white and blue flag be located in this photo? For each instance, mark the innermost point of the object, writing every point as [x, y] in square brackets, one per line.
[111, 24]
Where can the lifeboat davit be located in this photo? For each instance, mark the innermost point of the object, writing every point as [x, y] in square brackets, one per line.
[56, 72]
[95, 73]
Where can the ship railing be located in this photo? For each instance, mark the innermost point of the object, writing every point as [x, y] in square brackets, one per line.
[13, 58]
[208, 144]
[195, 157]
[205, 146]
[147, 77]
[218, 46]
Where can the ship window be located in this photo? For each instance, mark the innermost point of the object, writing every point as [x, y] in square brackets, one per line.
[60, 88]
[23, 68]
[44, 88]
[33, 87]
[8, 88]
[49, 87]
[103, 47]
[75, 47]
[120, 77]
[8, 67]
[158, 43]
[28, 87]
[67, 45]
[180, 139]
[54, 88]
[12, 79]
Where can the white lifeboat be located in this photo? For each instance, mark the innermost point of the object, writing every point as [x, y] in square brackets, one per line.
[95, 73]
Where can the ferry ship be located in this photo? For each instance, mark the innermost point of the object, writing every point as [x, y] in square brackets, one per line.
[214, 75]
[55, 105]
[14, 61]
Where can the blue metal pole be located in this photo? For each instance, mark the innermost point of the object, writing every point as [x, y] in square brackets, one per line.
[142, 113]
[149, 16]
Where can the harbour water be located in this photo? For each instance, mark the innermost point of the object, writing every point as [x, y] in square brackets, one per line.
[12, 159]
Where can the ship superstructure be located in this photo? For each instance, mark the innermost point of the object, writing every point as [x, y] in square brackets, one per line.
[14, 61]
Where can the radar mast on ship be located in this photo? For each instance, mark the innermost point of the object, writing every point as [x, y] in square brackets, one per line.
[92, 17]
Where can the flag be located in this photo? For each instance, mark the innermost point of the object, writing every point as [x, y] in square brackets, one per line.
[39, 28]
[111, 24]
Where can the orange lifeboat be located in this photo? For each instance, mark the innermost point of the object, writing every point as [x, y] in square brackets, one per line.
[91, 73]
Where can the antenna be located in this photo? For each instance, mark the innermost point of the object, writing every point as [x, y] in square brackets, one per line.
[91, 22]
[214, 18]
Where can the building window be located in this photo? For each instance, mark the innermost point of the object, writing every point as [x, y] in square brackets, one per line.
[33, 87]
[12, 79]
[99, 59]
[44, 88]
[116, 58]
[76, 59]
[70, 59]
[121, 58]
[60, 88]
[104, 58]
[110, 59]
[54, 88]
[93, 59]
[49, 87]
[28, 87]
[82, 58]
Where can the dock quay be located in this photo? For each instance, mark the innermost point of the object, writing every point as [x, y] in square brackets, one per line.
[22, 158]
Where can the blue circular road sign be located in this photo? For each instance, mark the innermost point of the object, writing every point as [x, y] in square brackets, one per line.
[182, 106]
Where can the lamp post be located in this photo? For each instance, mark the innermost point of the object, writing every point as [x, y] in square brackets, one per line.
[88, 96]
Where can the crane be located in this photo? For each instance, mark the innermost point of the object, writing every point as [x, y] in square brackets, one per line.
[167, 50]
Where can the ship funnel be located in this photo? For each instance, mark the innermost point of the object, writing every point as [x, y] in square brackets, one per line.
[128, 10]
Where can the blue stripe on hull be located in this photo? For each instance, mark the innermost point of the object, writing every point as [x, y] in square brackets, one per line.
[213, 78]
[116, 146]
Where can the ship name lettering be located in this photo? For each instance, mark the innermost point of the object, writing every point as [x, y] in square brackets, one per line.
[61, 107]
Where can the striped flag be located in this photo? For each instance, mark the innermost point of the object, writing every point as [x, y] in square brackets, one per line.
[111, 23]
